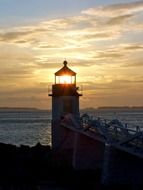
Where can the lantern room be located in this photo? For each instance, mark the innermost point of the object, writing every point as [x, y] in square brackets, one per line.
[65, 75]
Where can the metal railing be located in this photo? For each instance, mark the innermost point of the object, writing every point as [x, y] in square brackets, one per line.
[115, 132]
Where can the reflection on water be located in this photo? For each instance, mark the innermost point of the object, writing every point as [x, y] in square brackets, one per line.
[25, 127]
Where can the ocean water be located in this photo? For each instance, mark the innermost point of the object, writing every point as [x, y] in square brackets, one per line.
[131, 117]
[30, 127]
[25, 127]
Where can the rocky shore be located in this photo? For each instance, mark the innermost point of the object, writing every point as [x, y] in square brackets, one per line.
[34, 168]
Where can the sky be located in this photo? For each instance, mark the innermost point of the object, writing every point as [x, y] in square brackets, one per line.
[102, 40]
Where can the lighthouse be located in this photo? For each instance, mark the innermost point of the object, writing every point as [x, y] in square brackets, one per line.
[65, 100]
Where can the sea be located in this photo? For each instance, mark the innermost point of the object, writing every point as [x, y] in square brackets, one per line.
[25, 127]
[29, 127]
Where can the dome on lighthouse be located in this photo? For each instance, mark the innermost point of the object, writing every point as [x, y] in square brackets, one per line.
[65, 70]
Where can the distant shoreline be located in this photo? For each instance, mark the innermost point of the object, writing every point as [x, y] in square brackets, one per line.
[82, 109]
[113, 108]
[21, 109]
[122, 107]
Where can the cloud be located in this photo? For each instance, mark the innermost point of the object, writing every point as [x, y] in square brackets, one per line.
[101, 44]
[114, 87]
[128, 54]
[82, 30]
[133, 47]
[119, 19]
[35, 95]
[135, 63]
[46, 46]
[115, 9]
[37, 89]
[97, 36]
[10, 36]
[116, 17]
[109, 54]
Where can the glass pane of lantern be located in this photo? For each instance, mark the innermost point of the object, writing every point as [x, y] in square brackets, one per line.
[65, 79]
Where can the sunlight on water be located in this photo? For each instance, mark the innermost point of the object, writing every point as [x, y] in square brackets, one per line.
[26, 127]
[31, 127]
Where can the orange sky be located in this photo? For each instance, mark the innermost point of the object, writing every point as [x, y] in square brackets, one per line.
[102, 43]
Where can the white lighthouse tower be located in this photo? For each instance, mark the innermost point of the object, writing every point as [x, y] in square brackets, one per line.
[65, 99]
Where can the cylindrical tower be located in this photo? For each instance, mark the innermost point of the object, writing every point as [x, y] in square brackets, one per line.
[65, 99]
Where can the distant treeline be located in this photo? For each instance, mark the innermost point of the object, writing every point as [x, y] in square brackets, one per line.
[112, 108]
[121, 107]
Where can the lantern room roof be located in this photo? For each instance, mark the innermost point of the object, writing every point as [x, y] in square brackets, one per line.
[65, 70]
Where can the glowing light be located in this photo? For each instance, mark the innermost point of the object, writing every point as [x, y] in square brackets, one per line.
[65, 79]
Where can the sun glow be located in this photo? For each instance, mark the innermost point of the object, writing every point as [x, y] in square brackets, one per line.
[65, 79]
